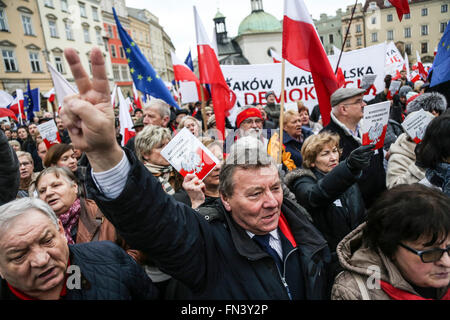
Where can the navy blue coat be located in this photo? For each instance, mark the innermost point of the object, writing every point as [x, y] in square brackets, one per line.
[216, 259]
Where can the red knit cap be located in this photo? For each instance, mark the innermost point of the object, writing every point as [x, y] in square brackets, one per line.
[248, 113]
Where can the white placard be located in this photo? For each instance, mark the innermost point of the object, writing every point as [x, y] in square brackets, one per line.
[367, 81]
[395, 85]
[188, 155]
[49, 132]
[374, 123]
[188, 91]
[416, 123]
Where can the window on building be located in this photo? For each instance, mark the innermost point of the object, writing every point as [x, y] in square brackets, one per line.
[113, 51]
[374, 20]
[86, 34]
[110, 32]
[321, 39]
[52, 28]
[408, 48]
[98, 35]
[64, 6]
[27, 25]
[358, 28]
[359, 41]
[424, 47]
[82, 9]
[374, 36]
[122, 53]
[390, 35]
[34, 61]
[116, 72]
[68, 29]
[9, 60]
[424, 12]
[348, 43]
[124, 72]
[407, 16]
[331, 38]
[424, 30]
[442, 26]
[49, 3]
[3, 21]
[444, 8]
[95, 13]
[59, 64]
[390, 17]
[407, 32]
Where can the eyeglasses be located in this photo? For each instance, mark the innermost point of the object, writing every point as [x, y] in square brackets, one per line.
[249, 121]
[360, 102]
[427, 256]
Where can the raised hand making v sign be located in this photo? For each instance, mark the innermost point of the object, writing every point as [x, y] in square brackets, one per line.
[89, 115]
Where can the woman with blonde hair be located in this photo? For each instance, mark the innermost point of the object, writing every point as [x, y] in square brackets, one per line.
[328, 189]
[192, 124]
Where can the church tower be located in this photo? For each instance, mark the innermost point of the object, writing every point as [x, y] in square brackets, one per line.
[220, 28]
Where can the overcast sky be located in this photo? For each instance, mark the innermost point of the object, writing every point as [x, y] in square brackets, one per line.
[177, 18]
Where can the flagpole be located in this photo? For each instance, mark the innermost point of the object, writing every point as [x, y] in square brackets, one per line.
[205, 127]
[345, 39]
[280, 151]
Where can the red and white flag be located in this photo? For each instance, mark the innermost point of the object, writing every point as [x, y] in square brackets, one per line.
[407, 66]
[422, 72]
[402, 7]
[62, 87]
[126, 124]
[136, 98]
[183, 73]
[113, 96]
[50, 95]
[303, 48]
[210, 73]
[275, 56]
[17, 106]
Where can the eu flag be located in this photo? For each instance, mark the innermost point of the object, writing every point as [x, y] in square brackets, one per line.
[144, 77]
[188, 61]
[441, 64]
[32, 101]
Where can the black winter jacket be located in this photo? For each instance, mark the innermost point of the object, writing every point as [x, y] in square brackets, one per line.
[333, 200]
[9, 171]
[211, 255]
[107, 273]
[373, 180]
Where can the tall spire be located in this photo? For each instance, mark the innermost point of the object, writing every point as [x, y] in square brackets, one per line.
[220, 27]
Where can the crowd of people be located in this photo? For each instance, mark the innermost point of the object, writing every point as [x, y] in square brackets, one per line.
[331, 219]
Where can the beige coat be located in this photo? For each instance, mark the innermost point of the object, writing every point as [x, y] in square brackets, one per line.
[357, 259]
[401, 166]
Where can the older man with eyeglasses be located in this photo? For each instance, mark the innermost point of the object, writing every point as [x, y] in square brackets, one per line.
[347, 111]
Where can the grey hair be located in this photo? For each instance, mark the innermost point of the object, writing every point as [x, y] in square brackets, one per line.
[182, 122]
[17, 207]
[162, 107]
[246, 153]
[150, 137]
[59, 172]
[24, 154]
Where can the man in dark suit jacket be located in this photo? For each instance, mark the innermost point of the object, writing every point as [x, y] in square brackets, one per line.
[347, 111]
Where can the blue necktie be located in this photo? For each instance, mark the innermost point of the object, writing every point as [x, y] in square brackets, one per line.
[263, 242]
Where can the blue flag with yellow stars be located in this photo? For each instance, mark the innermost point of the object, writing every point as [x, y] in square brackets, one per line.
[31, 101]
[144, 77]
[441, 63]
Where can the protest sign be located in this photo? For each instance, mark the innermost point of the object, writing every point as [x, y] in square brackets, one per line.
[188, 155]
[394, 59]
[394, 86]
[367, 81]
[250, 83]
[49, 132]
[416, 123]
[188, 91]
[374, 123]
[5, 120]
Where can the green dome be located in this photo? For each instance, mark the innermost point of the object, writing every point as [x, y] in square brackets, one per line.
[258, 22]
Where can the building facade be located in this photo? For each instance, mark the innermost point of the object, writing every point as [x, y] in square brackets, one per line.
[330, 32]
[419, 31]
[119, 63]
[22, 47]
[353, 30]
[73, 24]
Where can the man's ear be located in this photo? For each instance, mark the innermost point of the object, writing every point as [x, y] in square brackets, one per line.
[225, 202]
[166, 120]
[61, 230]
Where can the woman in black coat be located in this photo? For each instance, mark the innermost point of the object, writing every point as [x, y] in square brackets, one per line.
[327, 188]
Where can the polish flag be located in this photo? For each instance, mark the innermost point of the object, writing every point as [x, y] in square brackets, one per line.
[210, 73]
[402, 7]
[50, 95]
[5, 112]
[407, 66]
[183, 73]
[126, 124]
[340, 78]
[275, 56]
[136, 98]
[113, 95]
[303, 48]
[17, 106]
[422, 71]
[62, 87]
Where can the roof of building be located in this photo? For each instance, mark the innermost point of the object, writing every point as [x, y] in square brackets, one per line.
[259, 22]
